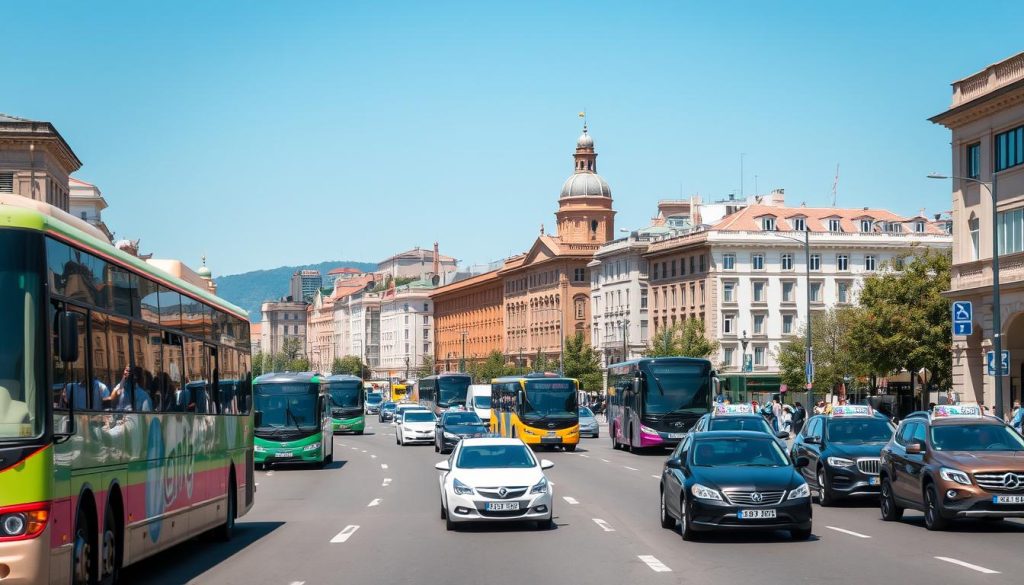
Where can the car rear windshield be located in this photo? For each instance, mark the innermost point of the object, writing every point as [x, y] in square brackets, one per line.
[738, 452]
[586, 412]
[482, 401]
[418, 416]
[976, 438]
[858, 430]
[462, 418]
[493, 456]
[747, 423]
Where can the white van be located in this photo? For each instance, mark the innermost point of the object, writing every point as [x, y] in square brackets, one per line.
[478, 400]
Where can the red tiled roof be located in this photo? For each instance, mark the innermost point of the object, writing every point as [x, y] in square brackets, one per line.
[749, 219]
[345, 270]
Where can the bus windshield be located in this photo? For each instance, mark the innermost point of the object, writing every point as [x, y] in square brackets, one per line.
[287, 405]
[345, 394]
[550, 398]
[21, 359]
[677, 388]
[453, 391]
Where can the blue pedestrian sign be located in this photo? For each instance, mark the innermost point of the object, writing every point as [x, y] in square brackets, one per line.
[963, 318]
[1004, 365]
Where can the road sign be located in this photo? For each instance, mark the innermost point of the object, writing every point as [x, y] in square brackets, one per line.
[963, 318]
[990, 363]
[809, 372]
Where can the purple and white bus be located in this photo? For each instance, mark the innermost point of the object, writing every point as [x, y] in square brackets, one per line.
[653, 402]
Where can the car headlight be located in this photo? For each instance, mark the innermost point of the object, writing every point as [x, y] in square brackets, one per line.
[406, 429]
[451, 436]
[840, 462]
[801, 492]
[705, 493]
[541, 487]
[955, 475]
[259, 449]
[312, 447]
[648, 430]
[461, 488]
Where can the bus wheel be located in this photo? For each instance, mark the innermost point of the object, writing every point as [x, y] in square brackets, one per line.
[82, 569]
[111, 562]
[329, 459]
[226, 530]
[359, 432]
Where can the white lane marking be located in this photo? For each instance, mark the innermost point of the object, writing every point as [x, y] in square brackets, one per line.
[631, 468]
[257, 484]
[270, 473]
[387, 482]
[655, 565]
[373, 456]
[345, 534]
[355, 448]
[570, 500]
[606, 461]
[584, 455]
[383, 465]
[969, 566]
[850, 532]
[298, 583]
[364, 450]
[656, 476]
[550, 483]
[375, 502]
[604, 525]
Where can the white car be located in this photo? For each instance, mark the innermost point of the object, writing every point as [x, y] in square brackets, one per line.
[417, 426]
[404, 407]
[488, 480]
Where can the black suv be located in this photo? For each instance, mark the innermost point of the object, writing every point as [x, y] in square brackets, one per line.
[387, 412]
[455, 425]
[843, 452]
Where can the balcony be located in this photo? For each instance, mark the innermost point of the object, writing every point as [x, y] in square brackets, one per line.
[988, 80]
[978, 274]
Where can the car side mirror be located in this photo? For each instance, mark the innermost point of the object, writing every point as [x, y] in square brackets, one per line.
[813, 440]
[801, 462]
[545, 464]
[674, 463]
[443, 466]
[782, 434]
[915, 448]
[68, 330]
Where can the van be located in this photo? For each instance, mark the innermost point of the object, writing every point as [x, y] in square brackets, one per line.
[478, 400]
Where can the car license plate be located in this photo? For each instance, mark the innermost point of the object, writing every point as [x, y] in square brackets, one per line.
[872, 481]
[1008, 499]
[283, 454]
[502, 506]
[676, 435]
[755, 514]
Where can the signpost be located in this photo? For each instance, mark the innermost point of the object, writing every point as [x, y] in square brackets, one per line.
[1004, 364]
[963, 318]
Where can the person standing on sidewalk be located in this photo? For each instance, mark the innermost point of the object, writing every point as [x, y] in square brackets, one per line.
[799, 416]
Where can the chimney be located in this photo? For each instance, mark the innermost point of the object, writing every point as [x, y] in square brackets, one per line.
[437, 260]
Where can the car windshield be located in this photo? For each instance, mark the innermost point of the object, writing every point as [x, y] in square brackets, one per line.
[344, 394]
[738, 452]
[418, 416]
[374, 399]
[550, 398]
[388, 406]
[494, 456]
[23, 348]
[481, 401]
[983, 437]
[462, 418]
[677, 387]
[858, 430]
[586, 412]
[745, 423]
[287, 404]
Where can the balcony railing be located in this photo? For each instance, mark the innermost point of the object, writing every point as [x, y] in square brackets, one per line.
[990, 79]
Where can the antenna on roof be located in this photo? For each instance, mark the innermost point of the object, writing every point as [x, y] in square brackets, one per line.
[835, 186]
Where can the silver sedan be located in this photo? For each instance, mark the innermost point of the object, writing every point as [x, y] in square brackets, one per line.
[588, 423]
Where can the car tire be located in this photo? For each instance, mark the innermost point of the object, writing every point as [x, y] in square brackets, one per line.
[685, 528]
[667, 521]
[448, 524]
[800, 534]
[546, 524]
[569, 448]
[933, 519]
[437, 448]
[891, 511]
[444, 515]
[825, 497]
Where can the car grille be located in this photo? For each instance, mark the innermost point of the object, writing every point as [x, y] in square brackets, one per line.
[511, 493]
[869, 466]
[746, 498]
[1002, 481]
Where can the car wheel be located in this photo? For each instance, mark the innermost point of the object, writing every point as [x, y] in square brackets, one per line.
[933, 519]
[825, 497]
[667, 521]
[570, 448]
[685, 528]
[546, 524]
[437, 447]
[891, 512]
[444, 515]
[448, 524]
[801, 534]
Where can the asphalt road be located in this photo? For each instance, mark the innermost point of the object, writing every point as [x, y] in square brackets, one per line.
[373, 517]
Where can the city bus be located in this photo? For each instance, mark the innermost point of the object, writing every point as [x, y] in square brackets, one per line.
[125, 423]
[653, 402]
[347, 403]
[539, 409]
[443, 391]
[382, 386]
[293, 419]
[401, 391]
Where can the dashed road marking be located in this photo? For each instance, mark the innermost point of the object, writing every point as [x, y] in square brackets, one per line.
[345, 534]
[584, 455]
[606, 461]
[655, 565]
[373, 456]
[270, 473]
[604, 525]
[969, 566]
[355, 448]
[570, 500]
[386, 483]
[364, 450]
[298, 583]
[655, 476]
[850, 532]
[375, 502]
[631, 468]
[383, 465]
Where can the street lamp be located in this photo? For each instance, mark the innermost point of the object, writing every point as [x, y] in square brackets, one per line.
[808, 347]
[997, 339]
[744, 340]
[625, 340]
[462, 363]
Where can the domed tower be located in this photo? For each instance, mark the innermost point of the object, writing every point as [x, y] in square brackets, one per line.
[585, 212]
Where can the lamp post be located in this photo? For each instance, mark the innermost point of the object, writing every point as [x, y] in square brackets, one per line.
[462, 363]
[808, 346]
[625, 340]
[520, 359]
[744, 340]
[997, 328]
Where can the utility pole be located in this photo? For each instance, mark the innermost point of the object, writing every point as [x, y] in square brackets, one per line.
[625, 340]
[462, 363]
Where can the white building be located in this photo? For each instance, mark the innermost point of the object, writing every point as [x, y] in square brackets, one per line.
[87, 203]
[418, 263]
[282, 320]
[364, 328]
[406, 329]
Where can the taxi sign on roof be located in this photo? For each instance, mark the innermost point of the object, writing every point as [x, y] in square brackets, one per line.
[724, 409]
[852, 410]
[951, 410]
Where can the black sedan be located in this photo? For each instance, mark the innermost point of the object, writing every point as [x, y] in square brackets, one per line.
[387, 412]
[733, 480]
[455, 425]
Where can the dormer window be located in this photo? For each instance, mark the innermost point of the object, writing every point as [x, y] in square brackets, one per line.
[894, 227]
[865, 226]
[834, 225]
[799, 224]
[919, 227]
[768, 224]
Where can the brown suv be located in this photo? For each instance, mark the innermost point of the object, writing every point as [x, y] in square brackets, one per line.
[953, 463]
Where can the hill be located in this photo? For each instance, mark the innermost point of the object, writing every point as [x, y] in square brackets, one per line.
[249, 289]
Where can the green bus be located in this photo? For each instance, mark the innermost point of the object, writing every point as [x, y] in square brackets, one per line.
[125, 423]
[292, 418]
[347, 399]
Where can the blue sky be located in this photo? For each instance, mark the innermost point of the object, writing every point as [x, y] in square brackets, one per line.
[271, 133]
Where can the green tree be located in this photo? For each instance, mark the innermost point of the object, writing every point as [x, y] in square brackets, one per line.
[494, 366]
[257, 363]
[685, 339]
[906, 321]
[427, 367]
[836, 355]
[349, 364]
[291, 347]
[541, 363]
[582, 362]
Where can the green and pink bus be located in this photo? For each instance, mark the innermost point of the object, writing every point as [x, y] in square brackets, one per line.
[125, 400]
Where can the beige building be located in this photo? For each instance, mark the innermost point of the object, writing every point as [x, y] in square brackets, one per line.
[282, 320]
[320, 331]
[35, 161]
[87, 203]
[418, 263]
[986, 118]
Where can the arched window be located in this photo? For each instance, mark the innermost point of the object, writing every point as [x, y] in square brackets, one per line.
[590, 165]
[593, 225]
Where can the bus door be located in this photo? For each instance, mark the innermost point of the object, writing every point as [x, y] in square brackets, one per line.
[213, 388]
[631, 407]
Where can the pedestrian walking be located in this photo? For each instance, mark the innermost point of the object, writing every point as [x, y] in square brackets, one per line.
[787, 418]
[799, 416]
[776, 414]
[1017, 417]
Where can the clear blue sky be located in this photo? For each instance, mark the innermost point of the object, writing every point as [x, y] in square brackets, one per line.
[270, 133]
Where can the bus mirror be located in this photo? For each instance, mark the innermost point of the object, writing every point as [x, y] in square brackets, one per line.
[68, 329]
[636, 384]
[257, 416]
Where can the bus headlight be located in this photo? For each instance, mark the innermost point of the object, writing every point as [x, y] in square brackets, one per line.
[23, 522]
[259, 449]
[312, 447]
[648, 431]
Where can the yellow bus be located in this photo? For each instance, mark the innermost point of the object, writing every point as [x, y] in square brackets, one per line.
[400, 392]
[539, 409]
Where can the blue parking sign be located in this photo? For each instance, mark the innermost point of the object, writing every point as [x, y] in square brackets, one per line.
[963, 318]
[1004, 363]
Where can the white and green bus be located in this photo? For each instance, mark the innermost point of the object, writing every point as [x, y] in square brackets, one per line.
[292, 420]
[345, 393]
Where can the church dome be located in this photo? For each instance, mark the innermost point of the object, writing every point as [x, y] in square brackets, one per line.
[586, 185]
[585, 140]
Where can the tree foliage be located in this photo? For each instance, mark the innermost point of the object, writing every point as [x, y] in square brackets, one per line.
[836, 355]
[685, 339]
[494, 366]
[541, 363]
[582, 362]
[907, 322]
[349, 364]
[427, 367]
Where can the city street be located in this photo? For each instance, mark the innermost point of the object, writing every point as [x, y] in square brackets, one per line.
[373, 517]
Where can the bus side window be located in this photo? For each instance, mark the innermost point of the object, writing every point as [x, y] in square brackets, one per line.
[69, 378]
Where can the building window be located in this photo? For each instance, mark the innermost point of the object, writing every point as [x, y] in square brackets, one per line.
[727, 324]
[787, 292]
[768, 224]
[844, 292]
[800, 224]
[579, 275]
[787, 324]
[869, 263]
[815, 261]
[787, 262]
[727, 356]
[691, 265]
[729, 292]
[664, 269]
[834, 225]
[580, 309]
[759, 292]
[757, 261]
[682, 267]
[865, 226]
[643, 331]
[643, 299]
[894, 227]
[654, 273]
[1010, 231]
[842, 262]
[6, 182]
[729, 262]
[703, 263]
[974, 225]
[759, 353]
[919, 227]
[673, 268]
[759, 324]
[816, 292]
[1009, 148]
[426, 307]
[974, 160]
